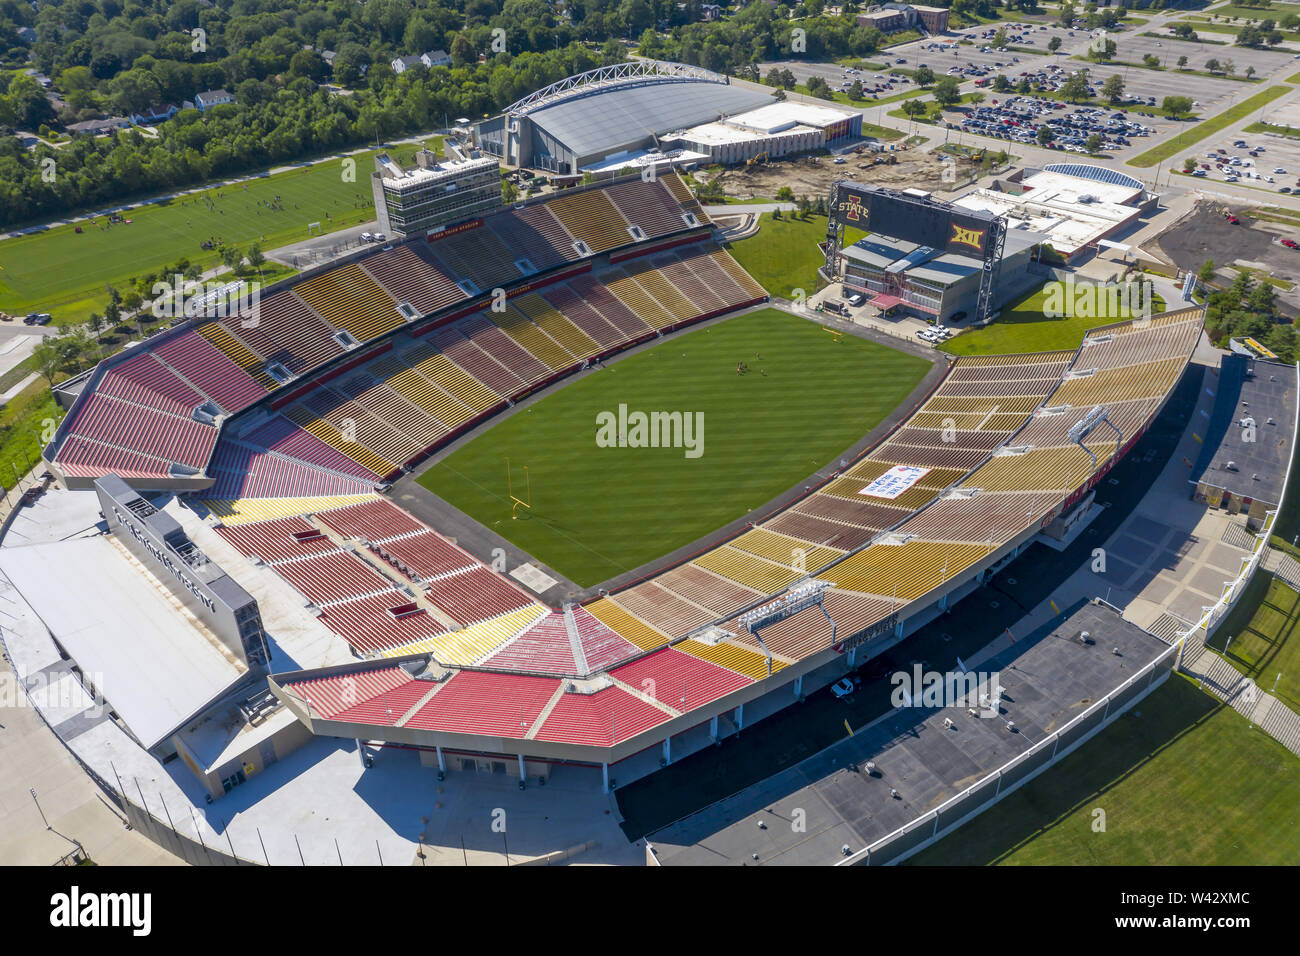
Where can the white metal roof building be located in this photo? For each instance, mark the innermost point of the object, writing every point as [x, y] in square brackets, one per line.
[1072, 205]
[587, 118]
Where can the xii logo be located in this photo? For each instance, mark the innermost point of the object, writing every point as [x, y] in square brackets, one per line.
[964, 236]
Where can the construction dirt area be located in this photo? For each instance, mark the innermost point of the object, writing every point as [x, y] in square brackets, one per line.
[813, 176]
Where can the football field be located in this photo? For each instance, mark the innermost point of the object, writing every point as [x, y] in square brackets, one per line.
[604, 501]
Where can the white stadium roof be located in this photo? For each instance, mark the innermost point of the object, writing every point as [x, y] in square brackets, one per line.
[150, 659]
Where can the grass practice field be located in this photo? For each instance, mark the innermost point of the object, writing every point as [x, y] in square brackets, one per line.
[600, 511]
[1022, 327]
[1182, 779]
[66, 274]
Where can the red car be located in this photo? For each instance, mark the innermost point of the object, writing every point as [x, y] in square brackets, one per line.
[1291, 244]
[1234, 220]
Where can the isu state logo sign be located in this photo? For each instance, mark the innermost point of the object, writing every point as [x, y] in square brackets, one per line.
[854, 210]
[962, 236]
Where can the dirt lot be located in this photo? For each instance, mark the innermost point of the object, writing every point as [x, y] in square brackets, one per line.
[1206, 234]
[912, 169]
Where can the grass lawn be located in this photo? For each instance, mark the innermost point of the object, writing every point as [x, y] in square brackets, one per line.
[25, 421]
[1293, 79]
[597, 512]
[61, 272]
[783, 255]
[1290, 132]
[1199, 39]
[1260, 626]
[1185, 783]
[1203, 130]
[1022, 327]
[1235, 28]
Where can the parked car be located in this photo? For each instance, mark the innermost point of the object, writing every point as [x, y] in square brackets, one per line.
[842, 688]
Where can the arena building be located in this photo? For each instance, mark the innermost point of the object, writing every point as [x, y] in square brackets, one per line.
[589, 118]
[1070, 206]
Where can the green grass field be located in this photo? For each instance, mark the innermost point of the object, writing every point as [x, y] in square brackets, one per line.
[1183, 781]
[25, 422]
[598, 512]
[65, 274]
[1022, 327]
[1262, 644]
[1206, 128]
[783, 254]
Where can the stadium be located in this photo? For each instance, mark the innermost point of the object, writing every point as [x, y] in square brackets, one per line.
[649, 111]
[231, 488]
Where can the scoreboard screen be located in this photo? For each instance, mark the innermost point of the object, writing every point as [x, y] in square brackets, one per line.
[913, 219]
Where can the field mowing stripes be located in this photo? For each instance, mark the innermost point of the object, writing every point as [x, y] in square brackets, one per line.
[599, 511]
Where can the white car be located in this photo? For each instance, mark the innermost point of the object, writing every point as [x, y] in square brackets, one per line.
[367, 237]
[842, 688]
[1279, 170]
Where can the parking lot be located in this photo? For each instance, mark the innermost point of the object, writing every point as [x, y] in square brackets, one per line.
[876, 84]
[1258, 161]
[1018, 119]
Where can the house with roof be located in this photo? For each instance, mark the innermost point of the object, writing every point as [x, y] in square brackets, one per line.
[210, 98]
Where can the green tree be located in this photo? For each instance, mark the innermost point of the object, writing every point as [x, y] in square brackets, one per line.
[48, 359]
[509, 191]
[1281, 340]
[1075, 88]
[913, 108]
[1053, 44]
[785, 194]
[924, 76]
[855, 90]
[1093, 143]
[1212, 65]
[1001, 84]
[1206, 272]
[1113, 88]
[1176, 106]
[946, 93]
[1189, 164]
[1102, 50]
[1044, 135]
[1182, 62]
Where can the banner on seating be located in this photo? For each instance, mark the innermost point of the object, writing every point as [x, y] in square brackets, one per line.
[895, 481]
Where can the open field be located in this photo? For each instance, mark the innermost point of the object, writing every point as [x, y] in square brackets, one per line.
[600, 511]
[1022, 327]
[1182, 779]
[1203, 130]
[65, 273]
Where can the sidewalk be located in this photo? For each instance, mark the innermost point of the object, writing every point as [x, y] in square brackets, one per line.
[32, 758]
